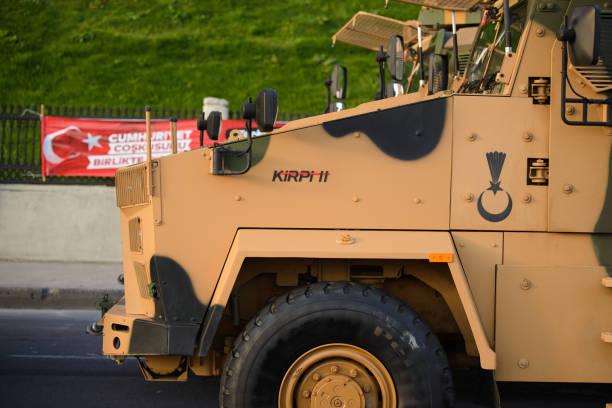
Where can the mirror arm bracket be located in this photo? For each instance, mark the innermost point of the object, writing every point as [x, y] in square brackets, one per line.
[219, 151]
[582, 100]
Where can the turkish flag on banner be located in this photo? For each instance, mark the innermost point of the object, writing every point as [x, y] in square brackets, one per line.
[98, 147]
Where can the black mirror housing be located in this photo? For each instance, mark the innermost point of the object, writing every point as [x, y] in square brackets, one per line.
[266, 109]
[213, 125]
[585, 22]
[338, 82]
[395, 57]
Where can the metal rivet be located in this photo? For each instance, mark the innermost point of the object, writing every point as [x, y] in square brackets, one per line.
[469, 197]
[157, 220]
[417, 200]
[237, 198]
[357, 135]
[316, 376]
[523, 88]
[306, 394]
[568, 188]
[525, 284]
[540, 31]
[355, 199]
[367, 388]
[461, 245]
[527, 136]
[494, 245]
[353, 373]
[334, 369]
[526, 198]
[570, 110]
[523, 363]
[471, 137]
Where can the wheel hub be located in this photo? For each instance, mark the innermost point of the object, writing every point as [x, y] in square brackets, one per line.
[337, 391]
[337, 376]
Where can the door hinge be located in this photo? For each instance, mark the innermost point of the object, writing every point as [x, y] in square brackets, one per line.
[537, 172]
[539, 90]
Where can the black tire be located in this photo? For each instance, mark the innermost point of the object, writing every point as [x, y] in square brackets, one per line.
[338, 312]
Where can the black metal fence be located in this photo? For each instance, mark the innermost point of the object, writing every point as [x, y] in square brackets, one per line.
[20, 137]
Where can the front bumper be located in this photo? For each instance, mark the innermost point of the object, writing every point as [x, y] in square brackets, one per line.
[139, 335]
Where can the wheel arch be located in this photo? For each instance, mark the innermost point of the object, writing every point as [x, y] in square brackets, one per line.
[354, 244]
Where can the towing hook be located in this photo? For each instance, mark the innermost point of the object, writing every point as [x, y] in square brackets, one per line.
[94, 329]
[120, 278]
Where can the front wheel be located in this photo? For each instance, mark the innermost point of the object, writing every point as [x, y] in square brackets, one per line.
[336, 344]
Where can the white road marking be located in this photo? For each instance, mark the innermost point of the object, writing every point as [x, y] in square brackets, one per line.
[56, 356]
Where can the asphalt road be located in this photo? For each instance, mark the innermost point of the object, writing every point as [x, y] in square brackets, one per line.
[46, 359]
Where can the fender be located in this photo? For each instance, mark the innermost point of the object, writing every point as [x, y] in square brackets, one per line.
[287, 243]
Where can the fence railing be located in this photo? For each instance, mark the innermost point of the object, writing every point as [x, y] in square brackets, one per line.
[20, 137]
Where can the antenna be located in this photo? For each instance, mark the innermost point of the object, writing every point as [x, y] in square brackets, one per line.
[381, 57]
[507, 27]
[421, 69]
[455, 46]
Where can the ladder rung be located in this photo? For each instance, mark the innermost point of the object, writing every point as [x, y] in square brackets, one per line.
[607, 282]
[606, 337]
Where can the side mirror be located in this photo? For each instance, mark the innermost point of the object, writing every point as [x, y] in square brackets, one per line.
[584, 48]
[266, 109]
[338, 82]
[213, 125]
[395, 57]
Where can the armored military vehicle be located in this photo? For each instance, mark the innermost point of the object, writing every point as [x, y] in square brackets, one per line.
[346, 259]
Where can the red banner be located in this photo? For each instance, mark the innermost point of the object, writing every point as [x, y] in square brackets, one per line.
[98, 147]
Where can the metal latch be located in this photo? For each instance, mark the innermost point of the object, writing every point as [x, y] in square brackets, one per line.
[539, 90]
[537, 172]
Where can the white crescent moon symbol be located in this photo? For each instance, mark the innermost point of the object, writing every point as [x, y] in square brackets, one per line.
[50, 155]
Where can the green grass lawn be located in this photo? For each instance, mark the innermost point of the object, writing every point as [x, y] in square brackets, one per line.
[172, 53]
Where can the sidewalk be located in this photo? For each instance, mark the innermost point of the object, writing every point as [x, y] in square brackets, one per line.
[54, 285]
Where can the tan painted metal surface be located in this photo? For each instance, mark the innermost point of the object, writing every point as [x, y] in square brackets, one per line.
[479, 253]
[367, 244]
[531, 345]
[577, 189]
[473, 138]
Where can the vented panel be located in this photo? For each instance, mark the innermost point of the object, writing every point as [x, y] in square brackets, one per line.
[131, 186]
[135, 235]
[141, 279]
[463, 5]
[371, 31]
[463, 61]
[598, 76]
[605, 39]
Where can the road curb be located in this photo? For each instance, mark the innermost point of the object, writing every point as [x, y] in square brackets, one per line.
[55, 298]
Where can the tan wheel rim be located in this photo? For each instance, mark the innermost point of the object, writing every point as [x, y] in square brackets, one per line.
[337, 376]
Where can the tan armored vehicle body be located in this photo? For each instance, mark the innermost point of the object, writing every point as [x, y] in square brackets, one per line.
[346, 258]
